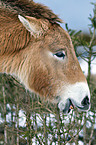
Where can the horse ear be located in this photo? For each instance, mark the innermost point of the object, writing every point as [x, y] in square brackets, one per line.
[35, 26]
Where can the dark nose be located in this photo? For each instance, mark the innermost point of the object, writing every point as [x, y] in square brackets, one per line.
[85, 101]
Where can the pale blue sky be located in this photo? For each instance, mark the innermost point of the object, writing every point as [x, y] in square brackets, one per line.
[73, 12]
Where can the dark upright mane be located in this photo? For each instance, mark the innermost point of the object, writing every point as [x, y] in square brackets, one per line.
[29, 8]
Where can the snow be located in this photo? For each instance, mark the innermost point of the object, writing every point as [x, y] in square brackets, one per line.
[1, 120]
[22, 119]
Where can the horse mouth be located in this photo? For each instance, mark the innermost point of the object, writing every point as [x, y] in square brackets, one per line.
[71, 104]
[85, 107]
[68, 106]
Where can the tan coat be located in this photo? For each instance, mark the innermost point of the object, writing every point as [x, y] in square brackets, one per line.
[34, 48]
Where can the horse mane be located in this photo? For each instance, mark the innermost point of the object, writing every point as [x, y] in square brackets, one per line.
[30, 8]
[13, 35]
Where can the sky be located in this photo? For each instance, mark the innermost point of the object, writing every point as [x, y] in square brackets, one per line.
[73, 12]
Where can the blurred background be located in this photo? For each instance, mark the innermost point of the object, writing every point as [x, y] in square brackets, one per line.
[73, 12]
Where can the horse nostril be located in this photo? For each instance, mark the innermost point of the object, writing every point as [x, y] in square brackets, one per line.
[85, 101]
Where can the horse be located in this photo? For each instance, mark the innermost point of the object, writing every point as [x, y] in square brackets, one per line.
[35, 49]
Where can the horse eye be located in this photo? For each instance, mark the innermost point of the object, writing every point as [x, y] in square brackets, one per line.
[60, 54]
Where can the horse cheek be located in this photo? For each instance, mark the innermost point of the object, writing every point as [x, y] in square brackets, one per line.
[39, 80]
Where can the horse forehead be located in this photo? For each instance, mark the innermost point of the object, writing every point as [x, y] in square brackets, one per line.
[58, 36]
